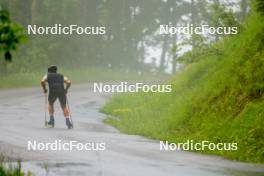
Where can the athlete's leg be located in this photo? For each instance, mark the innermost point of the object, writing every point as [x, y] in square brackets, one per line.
[65, 109]
[51, 109]
[52, 98]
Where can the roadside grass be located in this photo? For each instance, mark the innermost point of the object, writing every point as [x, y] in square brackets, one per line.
[11, 168]
[218, 99]
[76, 75]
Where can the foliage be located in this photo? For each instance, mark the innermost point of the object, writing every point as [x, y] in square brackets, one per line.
[219, 99]
[12, 169]
[218, 15]
[260, 6]
[11, 35]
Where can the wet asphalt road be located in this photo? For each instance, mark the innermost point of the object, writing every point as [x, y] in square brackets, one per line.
[22, 120]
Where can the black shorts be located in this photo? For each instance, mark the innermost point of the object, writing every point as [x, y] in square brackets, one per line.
[60, 95]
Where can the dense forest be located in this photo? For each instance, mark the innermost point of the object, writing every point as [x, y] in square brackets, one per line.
[131, 41]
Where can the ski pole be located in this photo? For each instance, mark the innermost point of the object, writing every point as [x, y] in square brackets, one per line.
[68, 105]
[45, 110]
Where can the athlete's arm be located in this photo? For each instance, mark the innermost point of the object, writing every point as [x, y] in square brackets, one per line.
[43, 83]
[68, 83]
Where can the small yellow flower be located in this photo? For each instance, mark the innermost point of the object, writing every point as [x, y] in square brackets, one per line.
[123, 110]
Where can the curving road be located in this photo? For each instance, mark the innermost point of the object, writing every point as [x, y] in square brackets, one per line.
[22, 120]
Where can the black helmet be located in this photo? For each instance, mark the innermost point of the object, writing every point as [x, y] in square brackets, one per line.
[52, 69]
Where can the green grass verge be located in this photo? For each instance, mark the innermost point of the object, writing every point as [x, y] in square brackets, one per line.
[76, 75]
[11, 169]
[219, 99]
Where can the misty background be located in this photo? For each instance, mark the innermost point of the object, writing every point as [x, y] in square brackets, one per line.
[131, 42]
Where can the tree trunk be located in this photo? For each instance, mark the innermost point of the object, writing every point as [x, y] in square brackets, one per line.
[243, 13]
[193, 21]
[174, 55]
[163, 54]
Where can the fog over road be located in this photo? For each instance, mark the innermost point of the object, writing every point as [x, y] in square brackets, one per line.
[22, 119]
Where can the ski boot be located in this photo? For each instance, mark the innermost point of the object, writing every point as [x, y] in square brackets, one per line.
[51, 123]
[69, 123]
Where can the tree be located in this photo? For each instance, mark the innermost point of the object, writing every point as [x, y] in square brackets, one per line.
[260, 6]
[174, 51]
[244, 9]
[11, 35]
[221, 17]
